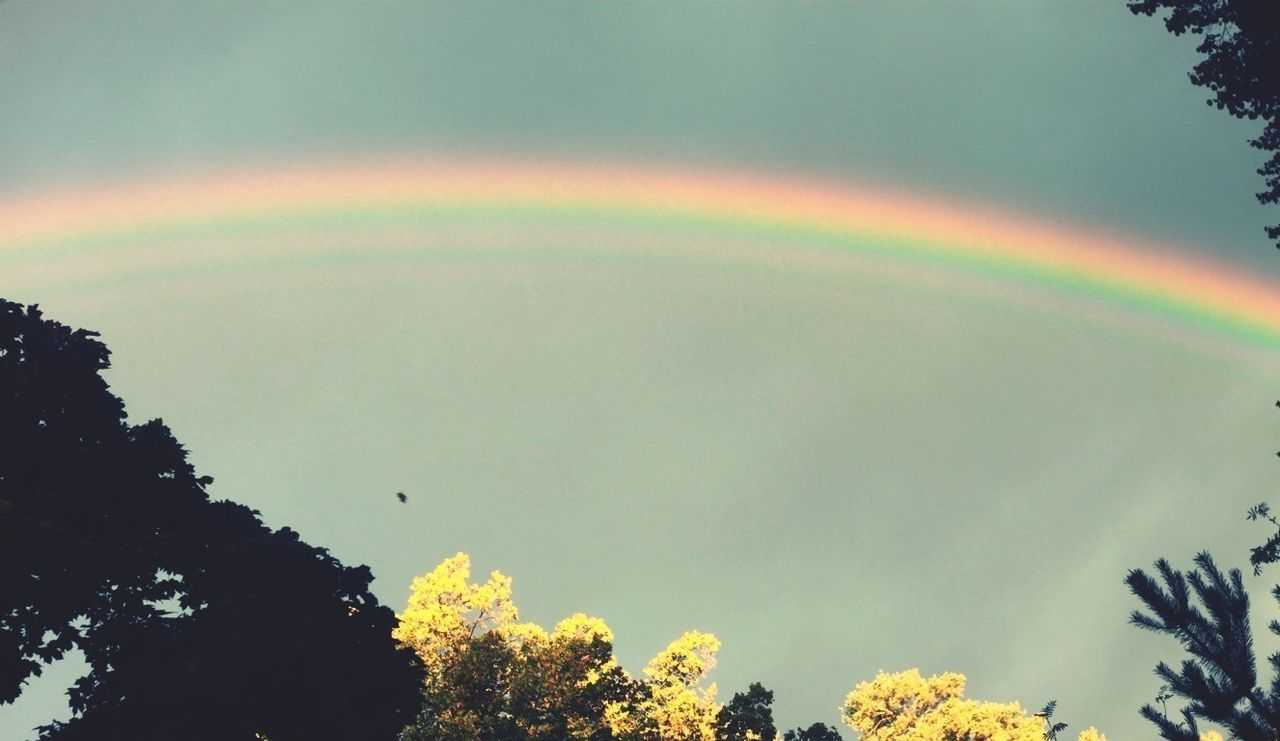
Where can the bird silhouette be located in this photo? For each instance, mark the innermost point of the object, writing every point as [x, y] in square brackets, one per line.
[400, 495]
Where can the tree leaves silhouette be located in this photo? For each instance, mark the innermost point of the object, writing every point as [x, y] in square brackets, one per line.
[1207, 611]
[1240, 41]
[197, 621]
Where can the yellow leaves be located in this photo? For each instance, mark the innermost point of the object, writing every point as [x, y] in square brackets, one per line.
[583, 627]
[684, 713]
[891, 704]
[485, 669]
[447, 615]
[685, 661]
[907, 707]
[445, 611]
[979, 720]
[491, 676]
[621, 719]
[1211, 736]
[676, 707]
[523, 635]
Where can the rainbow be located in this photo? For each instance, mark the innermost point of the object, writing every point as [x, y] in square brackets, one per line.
[1144, 278]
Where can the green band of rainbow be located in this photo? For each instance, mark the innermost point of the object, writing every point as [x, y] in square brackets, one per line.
[1146, 277]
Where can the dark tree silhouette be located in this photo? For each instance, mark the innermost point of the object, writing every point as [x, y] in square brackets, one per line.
[748, 712]
[815, 732]
[1269, 551]
[1240, 41]
[1052, 727]
[1205, 610]
[1208, 613]
[197, 621]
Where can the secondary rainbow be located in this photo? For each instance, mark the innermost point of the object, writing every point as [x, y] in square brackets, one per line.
[1145, 277]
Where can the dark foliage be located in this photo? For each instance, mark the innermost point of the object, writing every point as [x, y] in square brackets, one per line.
[547, 692]
[566, 687]
[747, 712]
[197, 621]
[1269, 551]
[1053, 728]
[1207, 611]
[471, 703]
[1240, 41]
[815, 732]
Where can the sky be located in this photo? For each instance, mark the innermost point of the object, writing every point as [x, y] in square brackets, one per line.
[839, 459]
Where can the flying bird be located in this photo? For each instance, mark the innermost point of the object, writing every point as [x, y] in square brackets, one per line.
[400, 495]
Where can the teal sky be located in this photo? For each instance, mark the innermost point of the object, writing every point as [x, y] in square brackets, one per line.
[837, 468]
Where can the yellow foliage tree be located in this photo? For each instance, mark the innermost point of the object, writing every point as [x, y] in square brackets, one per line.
[908, 707]
[445, 611]
[490, 676]
[674, 705]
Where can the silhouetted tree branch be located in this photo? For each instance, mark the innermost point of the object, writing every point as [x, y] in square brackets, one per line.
[197, 621]
[747, 716]
[815, 732]
[1207, 612]
[1240, 41]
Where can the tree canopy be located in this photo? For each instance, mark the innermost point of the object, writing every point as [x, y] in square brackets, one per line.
[1240, 41]
[815, 732]
[748, 716]
[1207, 612]
[907, 707]
[491, 676]
[196, 620]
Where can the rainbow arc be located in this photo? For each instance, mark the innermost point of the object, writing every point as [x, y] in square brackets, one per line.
[1146, 278]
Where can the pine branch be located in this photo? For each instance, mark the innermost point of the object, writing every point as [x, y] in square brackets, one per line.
[1218, 682]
